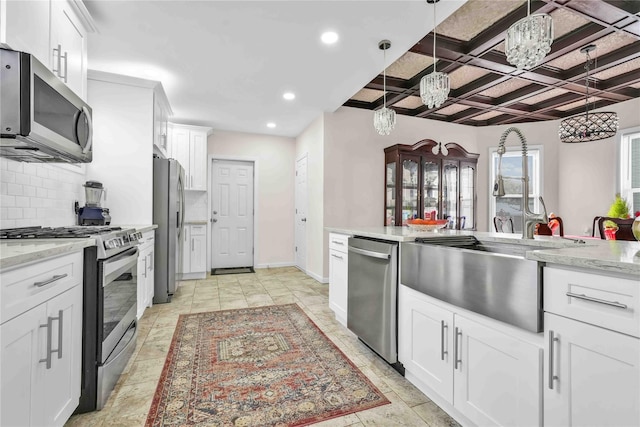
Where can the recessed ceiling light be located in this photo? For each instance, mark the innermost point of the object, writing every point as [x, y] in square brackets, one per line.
[329, 37]
[289, 96]
[271, 125]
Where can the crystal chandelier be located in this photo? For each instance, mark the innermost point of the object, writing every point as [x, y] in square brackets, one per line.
[434, 87]
[384, 119]
[529, 40]
[588, 126]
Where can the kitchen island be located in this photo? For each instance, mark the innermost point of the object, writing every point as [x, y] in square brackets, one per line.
[580, 366]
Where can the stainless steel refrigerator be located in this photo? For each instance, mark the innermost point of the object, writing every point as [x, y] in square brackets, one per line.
[168, 214]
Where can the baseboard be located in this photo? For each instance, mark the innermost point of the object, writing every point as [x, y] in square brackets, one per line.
[275, 265]
[317, 277]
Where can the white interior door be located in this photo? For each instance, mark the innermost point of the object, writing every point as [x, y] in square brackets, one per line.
[232, 214]
[301, 213]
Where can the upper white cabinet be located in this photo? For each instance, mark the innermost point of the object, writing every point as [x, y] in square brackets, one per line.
[161, 112]
[338, 275]
[189, 147]
[488, 372]
[41, 341]
[123, 143]
[53, 31]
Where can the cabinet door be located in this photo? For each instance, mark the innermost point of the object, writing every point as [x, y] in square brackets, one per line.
[198, 161]
[410, 188]
[25, 27]
[497, 378]
[180, 151]
[467, 196]
[390, 194]
[338, 280]
[61, 383]
[598, 375]
[143, 277]
[431, 188]
[425, 342]
[198, 249]
[450, 193]
[186, 250]
[68, 47]
[22, 343]
[150, 277]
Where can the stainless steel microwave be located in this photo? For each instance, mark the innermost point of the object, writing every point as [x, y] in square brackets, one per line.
[41, 119]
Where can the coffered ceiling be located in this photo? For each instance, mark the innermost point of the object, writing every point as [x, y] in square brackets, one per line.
[487, 90]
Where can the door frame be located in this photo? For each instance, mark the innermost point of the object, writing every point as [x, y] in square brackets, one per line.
[254, 160]
[295, 205]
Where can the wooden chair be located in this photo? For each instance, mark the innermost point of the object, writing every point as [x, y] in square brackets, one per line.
[625, 230]
[503, 224]
[547, 230]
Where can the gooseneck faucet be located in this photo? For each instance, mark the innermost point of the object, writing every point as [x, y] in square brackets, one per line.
[529, 219]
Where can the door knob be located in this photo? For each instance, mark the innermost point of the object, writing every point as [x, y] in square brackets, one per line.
[304, 220]
[214, 220]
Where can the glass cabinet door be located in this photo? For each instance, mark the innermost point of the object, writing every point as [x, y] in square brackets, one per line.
[390, 195]
[430, 194]
[467, 194]
[410, 194]
[450, 193]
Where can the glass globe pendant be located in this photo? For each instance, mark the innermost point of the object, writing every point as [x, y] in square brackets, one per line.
[434, 87]
[384, 119]
[529, 40]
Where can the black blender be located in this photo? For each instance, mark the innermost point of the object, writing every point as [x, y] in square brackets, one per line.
[92, 213]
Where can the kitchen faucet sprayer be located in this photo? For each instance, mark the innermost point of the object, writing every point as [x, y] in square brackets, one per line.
[529, 219]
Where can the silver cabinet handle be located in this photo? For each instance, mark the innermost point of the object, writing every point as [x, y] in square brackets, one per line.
[53, 279]
[552, 341]
[145, 267]
[598, 300]
[337, 242]
[456, 348]
[443, 326]
[49, 326]
[66, 66]
[192, 243]
[336, 256]
[151, 261]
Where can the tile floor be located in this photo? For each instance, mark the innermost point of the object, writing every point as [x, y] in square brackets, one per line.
[130, 401]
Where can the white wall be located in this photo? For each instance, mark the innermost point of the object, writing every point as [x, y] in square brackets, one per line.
[39, 194]
[275, 157]
[311, 142]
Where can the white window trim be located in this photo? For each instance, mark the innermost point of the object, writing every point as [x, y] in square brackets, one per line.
[623, 179]
[535, 186]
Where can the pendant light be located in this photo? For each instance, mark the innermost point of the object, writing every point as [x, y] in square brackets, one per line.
[588, 126]
[529, 40]
[384, 119]
[434, 87]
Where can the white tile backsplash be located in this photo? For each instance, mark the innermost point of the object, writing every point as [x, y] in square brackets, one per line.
[39, 194]
[196, 206]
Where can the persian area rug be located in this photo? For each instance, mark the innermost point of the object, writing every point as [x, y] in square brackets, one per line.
[262, 366]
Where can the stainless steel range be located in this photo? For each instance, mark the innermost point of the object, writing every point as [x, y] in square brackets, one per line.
[110, 297]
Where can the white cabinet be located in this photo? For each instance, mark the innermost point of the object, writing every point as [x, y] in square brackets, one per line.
[338, 275]
[194, 252]
[592, 374]
[189, 147]
[41, 346]
[482, 370]
[161, 113]
[55, 32]
[123, 122]
[145, 271]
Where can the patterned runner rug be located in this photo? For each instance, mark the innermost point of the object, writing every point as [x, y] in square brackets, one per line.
[262, 366]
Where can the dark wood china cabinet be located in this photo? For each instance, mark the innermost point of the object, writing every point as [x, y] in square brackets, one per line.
[421, 184]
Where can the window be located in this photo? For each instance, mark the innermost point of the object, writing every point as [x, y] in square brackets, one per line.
[629, 167]
[510, 205]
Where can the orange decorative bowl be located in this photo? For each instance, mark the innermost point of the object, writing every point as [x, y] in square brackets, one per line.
[426, 224]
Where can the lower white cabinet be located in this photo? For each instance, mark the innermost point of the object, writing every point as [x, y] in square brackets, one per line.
[592, 377]
[41, 348]
[482, 370]
[338, 275]
[194, 261]
[145, 272]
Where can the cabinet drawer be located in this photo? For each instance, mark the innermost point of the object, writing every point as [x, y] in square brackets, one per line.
[25, 287]
[612, 302]
[198, 230]
[147, 240]
[338, 242]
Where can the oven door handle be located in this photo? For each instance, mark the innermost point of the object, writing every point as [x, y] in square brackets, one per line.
[119, 264]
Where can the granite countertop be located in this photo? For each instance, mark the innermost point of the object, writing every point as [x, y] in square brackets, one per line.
[610, 255]
[18, 252]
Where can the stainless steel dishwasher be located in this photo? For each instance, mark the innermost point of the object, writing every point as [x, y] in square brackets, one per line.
[372, 295]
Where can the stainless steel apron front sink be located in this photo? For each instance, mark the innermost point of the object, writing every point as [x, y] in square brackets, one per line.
[493, 279]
